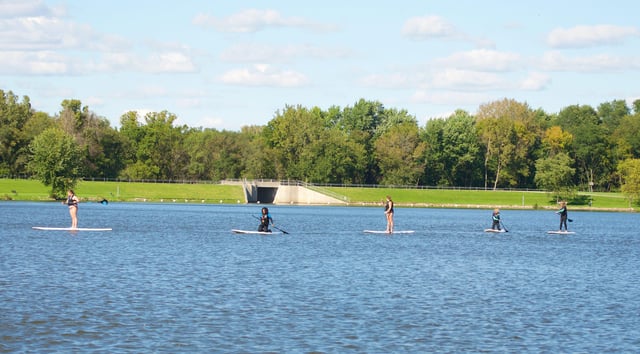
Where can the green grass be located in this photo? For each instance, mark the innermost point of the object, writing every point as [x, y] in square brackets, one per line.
[18, 189]
[477, 198]
[21, 189]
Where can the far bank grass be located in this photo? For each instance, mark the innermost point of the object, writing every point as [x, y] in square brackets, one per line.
[14, 189]
[479, 198]
[32, 190]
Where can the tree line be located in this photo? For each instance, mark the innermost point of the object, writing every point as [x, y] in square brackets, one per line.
[505, 144]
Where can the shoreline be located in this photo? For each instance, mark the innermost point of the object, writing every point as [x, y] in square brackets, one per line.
[350, 204]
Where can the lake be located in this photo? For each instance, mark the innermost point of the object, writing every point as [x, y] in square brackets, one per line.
[173, 278]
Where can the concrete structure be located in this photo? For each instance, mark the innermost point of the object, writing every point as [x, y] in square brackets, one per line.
[303, 195]
[276, 192]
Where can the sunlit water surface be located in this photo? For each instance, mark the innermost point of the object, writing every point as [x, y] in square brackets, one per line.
[173, 278]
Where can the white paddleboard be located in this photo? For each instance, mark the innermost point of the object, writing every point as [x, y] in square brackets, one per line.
[561, 232]
[236, 231]
[70, 228]
[384, 232]
[494, 230]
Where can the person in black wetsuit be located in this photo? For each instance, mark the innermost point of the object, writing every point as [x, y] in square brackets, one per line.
[495, 217]
[388, 211]
[265, 220]
[563, 215]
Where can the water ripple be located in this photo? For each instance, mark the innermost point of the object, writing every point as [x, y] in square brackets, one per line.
[184, 283]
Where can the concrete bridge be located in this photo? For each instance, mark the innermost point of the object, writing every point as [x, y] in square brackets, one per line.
[286, 192]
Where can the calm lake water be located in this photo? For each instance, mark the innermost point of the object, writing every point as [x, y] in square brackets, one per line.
[173, 278]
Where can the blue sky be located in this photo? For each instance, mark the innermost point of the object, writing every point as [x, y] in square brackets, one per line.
[227, 64]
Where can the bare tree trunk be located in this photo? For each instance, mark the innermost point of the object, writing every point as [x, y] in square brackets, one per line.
[495, 182]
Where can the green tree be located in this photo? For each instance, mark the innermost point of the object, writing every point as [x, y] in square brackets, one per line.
[14, 116]
[158, 145]
[334, 158]
[555, 174]
[611, 113]
[452, 151]
[361, 124]
[510, 132]
[495, 134]
[290, 135]
[435, 164]
[101, 145]
[629, 171]
[257, 156]
[591, 147]
[556, 140]
[56, 160]
[627, 137]
[400, 154]
[462, 150]
[309, 145]
[214, 155]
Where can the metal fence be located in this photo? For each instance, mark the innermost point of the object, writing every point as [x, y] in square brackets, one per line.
[317, 186]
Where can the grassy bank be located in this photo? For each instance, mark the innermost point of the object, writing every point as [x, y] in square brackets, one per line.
[20, 189]
[480, 198]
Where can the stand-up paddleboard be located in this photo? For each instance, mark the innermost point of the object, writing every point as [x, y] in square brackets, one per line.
[236, 231]
[385, 232]
[561, 232]
[495, 231]
[70, 228]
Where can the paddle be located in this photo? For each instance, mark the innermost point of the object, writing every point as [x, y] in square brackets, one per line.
[504, 227]
[274, 226]
[284, 232]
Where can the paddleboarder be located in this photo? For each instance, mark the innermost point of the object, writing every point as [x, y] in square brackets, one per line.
[72, 201]
[265, 220]
[563, 215]
[495, 217]
[388, 211]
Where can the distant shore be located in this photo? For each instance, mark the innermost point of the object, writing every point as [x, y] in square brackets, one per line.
[96, 191]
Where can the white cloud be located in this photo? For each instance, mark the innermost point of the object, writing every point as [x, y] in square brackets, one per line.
[34, 63]
[482, 59]
[427, 27]
[589, 36]
[535, 81]
[254, 20]
[257, 52]
[555, 61]
[436, 27]
[49, 45]
[263, 75]
[168, 62]
[392, 80]
[36, 33]
[155, 63]
[19, 8]
[465, 79]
